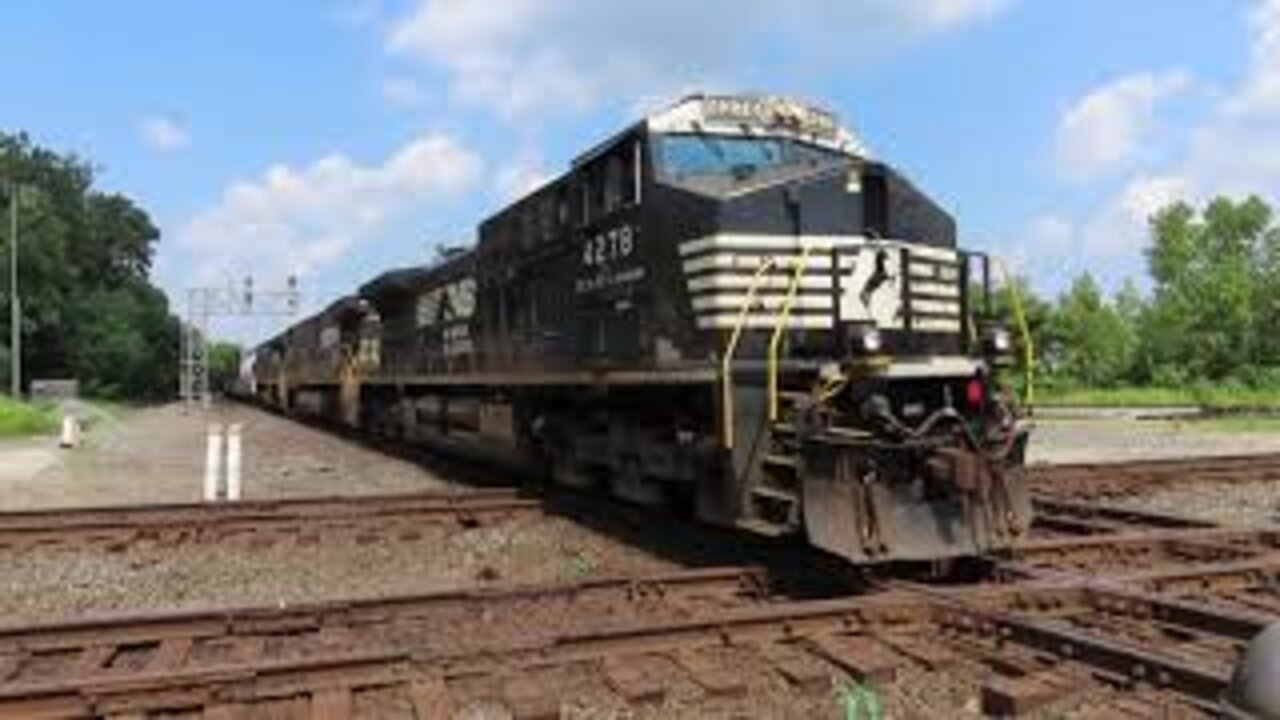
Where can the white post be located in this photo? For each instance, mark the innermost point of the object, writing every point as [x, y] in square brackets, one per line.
[70, 431]
[213, 463]
[233, 462]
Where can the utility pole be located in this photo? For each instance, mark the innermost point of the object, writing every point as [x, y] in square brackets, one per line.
[15, 311]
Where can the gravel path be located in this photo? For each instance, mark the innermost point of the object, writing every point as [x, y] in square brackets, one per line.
[1109, 439]
[156, 455]
[1112, 440]
[1245, 503]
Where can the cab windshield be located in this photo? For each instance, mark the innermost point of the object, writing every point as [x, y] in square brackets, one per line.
[692, 157]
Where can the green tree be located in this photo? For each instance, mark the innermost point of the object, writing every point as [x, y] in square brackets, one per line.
[88, 308]
[1132, 310]
[1096, 343]
[224, 365]
[1214, 274]
[124, 343]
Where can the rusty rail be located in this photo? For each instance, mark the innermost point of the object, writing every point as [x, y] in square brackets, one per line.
[195, 522]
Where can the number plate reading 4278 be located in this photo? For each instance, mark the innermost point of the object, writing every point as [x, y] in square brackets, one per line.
[609, 246]
[603, 259]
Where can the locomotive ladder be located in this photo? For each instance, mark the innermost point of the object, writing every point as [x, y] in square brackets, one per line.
[783, 316]
[731, 349]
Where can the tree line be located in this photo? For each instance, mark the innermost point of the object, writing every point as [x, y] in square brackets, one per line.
[1211, 314]
[89, 310]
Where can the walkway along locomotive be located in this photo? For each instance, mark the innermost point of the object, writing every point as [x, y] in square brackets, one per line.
[729, 306]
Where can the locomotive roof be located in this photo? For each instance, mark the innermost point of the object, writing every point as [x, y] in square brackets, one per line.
[342, 304]
[414, 277]
[747, 114]
[757, 114]
[349, 304]
[398, 280]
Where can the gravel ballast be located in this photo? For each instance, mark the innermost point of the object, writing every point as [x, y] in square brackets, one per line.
[53, 584]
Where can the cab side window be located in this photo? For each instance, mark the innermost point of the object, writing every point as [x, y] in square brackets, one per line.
[609, 183]
[613, 184]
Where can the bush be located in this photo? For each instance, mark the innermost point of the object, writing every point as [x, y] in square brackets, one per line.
[1261, 377]
[18, 418]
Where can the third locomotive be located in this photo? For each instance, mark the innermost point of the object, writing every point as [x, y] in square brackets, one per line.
[728, 306]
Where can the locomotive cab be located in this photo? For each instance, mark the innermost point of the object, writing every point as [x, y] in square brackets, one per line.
[858, 401]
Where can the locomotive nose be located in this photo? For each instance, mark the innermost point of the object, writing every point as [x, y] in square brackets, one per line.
[836, 199]
[821, 200]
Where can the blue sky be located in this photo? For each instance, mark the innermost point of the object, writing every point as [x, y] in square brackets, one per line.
[341, 137]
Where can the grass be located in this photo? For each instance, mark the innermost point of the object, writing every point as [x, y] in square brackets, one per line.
[1225, 396]
[19, 418]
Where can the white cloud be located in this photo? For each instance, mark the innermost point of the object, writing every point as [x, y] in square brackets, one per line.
[359, 13]
[164, 134]
[300, 220]
[403, 91]
[1040, 248]
[943, 14]
[1260, 92]
[1144, 196]
[1118, 229]
[523, 57]
[517, 179]
[1051, 234]
[1107, 127]
[1054, 249]
[1226, 153]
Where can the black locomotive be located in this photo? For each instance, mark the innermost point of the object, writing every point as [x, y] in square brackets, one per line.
[728, 307]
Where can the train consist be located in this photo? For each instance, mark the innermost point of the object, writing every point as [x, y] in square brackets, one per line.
[728, 308]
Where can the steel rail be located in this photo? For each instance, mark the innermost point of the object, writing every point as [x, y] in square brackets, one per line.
[25, 529]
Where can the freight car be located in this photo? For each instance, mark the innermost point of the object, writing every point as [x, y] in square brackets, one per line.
[728, 307]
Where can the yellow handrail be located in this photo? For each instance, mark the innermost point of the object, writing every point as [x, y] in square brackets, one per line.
[784, 316]
[1028, 348]
[731, 348]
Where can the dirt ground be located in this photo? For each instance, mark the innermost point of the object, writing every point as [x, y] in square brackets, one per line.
[156, 455]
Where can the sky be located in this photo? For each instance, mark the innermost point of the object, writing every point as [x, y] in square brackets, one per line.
[338, 138]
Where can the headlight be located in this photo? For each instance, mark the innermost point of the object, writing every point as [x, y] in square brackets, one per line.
[871, 341]
[865, 340]
[998, 341]
[1001, 342]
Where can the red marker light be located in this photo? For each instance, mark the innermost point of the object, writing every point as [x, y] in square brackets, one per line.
[975, 393]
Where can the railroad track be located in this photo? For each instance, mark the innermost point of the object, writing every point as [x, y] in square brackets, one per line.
[260, 522]
[1110, 611]
[189, 660]
[1134, 637]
